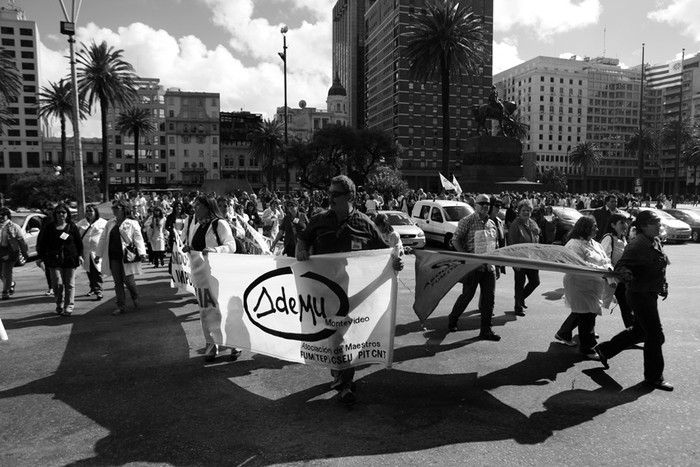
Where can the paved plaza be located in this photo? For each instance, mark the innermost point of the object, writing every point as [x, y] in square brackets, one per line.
[95, 389]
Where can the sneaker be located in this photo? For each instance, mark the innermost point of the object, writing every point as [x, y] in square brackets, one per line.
[347, 397]
[59, 310]
[49, 293]
[519, 310]
[489, 336]
[591, 356]
[90, 293]
[601, 356]
[452, 325]
[568, 342]
[66, 314]
[660, 384]
[118, 312]
[235, 353]
[12, 288]
[98, 296]
[210, 353]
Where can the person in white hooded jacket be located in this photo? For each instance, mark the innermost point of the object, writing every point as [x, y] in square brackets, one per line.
[91, 228]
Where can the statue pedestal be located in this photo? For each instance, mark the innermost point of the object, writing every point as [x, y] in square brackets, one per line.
[489, 160]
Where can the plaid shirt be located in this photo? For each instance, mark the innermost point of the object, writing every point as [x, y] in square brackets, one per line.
[467, 231]
[328, 234]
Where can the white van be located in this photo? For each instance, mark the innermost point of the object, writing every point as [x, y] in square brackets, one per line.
[439, 218]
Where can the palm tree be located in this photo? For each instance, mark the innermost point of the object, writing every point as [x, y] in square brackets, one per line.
[10, 87]
[448, 42]
[678, 134]
[104, 77]
[136, 122]
[585, 156]
[691, 154]
[267, 141]
[57, 102]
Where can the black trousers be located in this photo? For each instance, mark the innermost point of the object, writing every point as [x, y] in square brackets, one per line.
[486, 281]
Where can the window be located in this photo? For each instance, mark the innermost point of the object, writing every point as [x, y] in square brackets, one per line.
[8, 42]
[25, 32]
[436, 215]
[186, 153]
[26, 43]
[15, 159]
[185, 139]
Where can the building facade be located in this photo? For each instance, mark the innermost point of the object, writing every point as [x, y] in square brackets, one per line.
[20, 143]
[192, 132]
[349, 55]
[236, 132]
[152, 157]
[411, 111]
[92, 154]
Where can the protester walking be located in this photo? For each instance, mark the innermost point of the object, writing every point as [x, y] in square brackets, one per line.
[123, 248]
[12, 244]
[524, 230]
[91, 228]
[294, 222]
[60, 250]
[614, 243]
[643, 270]
[155, 231]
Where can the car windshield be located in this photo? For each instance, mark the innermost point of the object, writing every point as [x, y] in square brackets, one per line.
[567, 213]
[398, 219]
[693, 215]
[455, 213]
[661, 214]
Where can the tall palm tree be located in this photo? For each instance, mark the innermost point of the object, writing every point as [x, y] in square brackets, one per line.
[646, 140]
[585, 156]
[10, 87]
[268, 140]
[678, 134]
[448, 42]
[691, 154]
[104, 77]
[56, 101]
[136, 122]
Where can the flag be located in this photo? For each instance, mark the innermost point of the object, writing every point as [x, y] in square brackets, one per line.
[438, 272]
[337, 311]
[455, 183]
[446, 184]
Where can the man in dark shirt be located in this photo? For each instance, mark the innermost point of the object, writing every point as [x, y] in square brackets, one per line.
[341, 229]
[294, 221]
[602, 215]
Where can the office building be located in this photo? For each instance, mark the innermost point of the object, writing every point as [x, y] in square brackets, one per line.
[20, 143]
[236, 131]
[349, 55]
[411, 111]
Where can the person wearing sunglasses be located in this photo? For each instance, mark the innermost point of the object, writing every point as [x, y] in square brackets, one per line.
[340, 229]
[477, 233]
[60, 249]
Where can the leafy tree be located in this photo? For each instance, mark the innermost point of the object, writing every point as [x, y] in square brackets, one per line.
[646, 140]
[679, 135]
[553, 180]
[585, 156]
[104, 77]
[375, 148]
[34, 189]
[446, 43]
[386, 180]
[57, 102]
[10, 88]
[136, 122]
[266, 146]
[691, 154]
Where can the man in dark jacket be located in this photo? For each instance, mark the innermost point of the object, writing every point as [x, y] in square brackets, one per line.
[602, 215]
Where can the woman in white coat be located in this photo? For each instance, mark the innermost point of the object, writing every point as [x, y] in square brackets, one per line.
[120, 232]
[91, 228]
[155, 229]
[210, 233]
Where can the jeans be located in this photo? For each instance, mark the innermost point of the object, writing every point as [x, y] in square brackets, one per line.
[6, 273]
[523, 291]
[120, 280]
[94, 276]
[647, 327]
[63, 285]
[586, 330]
[486, 281]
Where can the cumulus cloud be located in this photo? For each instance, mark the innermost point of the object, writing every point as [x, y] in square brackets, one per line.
[546, 18]
[248, 74]
[683, 13]
[505, 55]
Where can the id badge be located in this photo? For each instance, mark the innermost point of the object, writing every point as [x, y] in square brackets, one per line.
[64, 236]
[355, 244]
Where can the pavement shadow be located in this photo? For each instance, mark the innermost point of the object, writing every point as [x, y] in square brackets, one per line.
[133, 376]
[553, 295]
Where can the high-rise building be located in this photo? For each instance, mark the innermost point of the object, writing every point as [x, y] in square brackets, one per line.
[349, 55]
[20, 145]
[566, 102]
[152, 148]
[192, 129]
[411, 111]
[236, 131]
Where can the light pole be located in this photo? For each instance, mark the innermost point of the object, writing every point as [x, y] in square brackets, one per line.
[283, 56]
[639, 185]
[678, 137]
[68, 29]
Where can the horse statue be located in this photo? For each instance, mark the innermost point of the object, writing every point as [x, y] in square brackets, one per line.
[485, 112]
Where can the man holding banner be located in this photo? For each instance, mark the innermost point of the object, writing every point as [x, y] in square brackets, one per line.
[341, 229]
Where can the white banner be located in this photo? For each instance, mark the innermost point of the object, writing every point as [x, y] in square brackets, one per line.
[181, 273]
[337, 311]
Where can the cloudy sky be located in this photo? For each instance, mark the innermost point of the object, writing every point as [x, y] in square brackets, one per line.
[231, 46]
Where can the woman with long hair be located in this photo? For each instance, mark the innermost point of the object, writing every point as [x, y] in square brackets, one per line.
[524, 229]
[155, 231]
[61, 250]
[122, 231]
[91, 228]
[614, 243]
[583, 294]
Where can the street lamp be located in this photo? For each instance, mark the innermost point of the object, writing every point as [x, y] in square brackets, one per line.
[283, 56]
[68, 29]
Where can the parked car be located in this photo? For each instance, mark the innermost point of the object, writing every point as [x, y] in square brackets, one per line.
[566, 218]
[589, 212]
[411, 235]
[31, 224]
[439, 218]
[690, 217]
[672, 229]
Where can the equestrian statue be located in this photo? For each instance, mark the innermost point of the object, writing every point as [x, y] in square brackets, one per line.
[496, 109]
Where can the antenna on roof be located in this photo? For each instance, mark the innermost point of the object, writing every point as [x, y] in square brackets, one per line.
[604, 33]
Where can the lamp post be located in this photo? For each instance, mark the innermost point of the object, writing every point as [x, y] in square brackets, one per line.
[678, 137]
[283, 56]
[68, 29]
[639, 185]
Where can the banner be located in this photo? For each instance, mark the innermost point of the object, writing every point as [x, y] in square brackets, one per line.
[3, 333]
[181, 273]
[337, 311]
[254, 242]
[437, 272]
[456, 184]
[446, 184]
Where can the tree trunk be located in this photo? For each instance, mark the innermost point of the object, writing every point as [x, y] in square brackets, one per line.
[445, 74]
[104, 105]
[136, 159]
[64, 143]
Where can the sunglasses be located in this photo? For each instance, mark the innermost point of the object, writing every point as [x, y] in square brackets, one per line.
[483, 203]
[335, 194]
